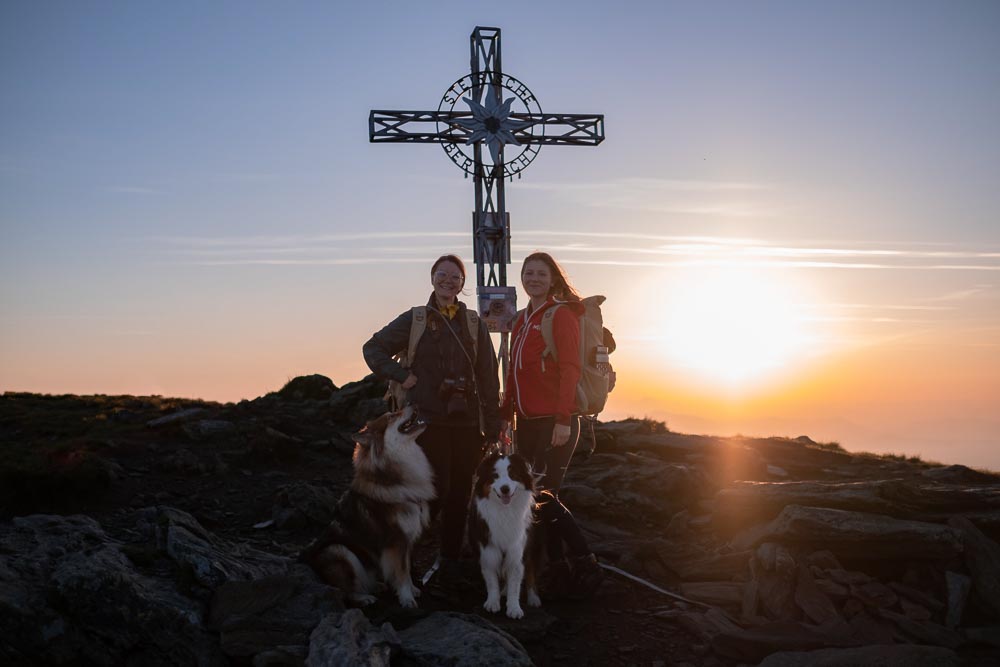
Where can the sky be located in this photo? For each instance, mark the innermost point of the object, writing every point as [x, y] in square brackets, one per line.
[794, 215]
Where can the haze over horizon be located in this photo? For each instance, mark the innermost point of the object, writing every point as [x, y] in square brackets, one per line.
[794, 216]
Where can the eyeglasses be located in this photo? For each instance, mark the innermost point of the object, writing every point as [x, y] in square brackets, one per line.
[441, 276]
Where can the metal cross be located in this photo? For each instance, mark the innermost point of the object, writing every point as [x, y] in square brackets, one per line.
[512, 136]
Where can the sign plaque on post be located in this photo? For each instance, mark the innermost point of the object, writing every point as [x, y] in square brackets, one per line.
[498, 308]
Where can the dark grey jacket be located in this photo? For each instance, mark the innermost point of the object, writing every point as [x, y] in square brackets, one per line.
[439, 357]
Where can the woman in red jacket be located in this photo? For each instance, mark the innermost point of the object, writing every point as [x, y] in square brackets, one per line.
[542, 394]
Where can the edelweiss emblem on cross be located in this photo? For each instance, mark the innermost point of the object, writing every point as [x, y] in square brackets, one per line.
[492, 123]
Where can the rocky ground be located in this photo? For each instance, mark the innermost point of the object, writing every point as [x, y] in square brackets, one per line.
[145, 530]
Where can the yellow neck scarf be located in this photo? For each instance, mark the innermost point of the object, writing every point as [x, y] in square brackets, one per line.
[450, 310]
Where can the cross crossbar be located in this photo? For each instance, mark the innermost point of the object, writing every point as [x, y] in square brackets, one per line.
[559, 129]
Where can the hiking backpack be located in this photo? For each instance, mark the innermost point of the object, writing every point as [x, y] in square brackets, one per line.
[396, 395]
[596, 344]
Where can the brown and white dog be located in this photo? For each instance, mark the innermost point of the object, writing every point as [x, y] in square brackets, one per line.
[380, 517]
[500, 520]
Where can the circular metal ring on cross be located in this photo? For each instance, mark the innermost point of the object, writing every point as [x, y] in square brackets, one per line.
[490, 121]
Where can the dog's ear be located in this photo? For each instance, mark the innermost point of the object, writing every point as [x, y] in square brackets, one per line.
[365, 437]
[381, 423]
[373, 430]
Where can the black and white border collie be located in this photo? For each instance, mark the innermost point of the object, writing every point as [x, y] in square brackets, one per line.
[500, 519]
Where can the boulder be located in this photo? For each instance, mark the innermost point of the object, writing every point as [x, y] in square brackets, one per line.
[367, 409]
[900, 498]
[773, 575]
[357, 402]
[302, 505]
[175, 417]
[923, 632]
[68, 593]
[308, 388]
[582, 496]
[802, 455]
[856, 534]
[813, 601]
[209, 560]
[720, 593]
[959, 474]
[982, 558]
[611, 486]
[271, 445]
[349, 640]
[753, 644]
[958, 586]
[460, 640]
[744, 502]
[921, 597]
[210, 429]
[901, 655]
[256, 617]
[989, 636]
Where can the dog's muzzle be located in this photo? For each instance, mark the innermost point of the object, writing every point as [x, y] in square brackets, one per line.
[415, 422]
[504, 494]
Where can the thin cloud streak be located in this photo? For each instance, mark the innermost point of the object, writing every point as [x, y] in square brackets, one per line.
[962, 295]
[300, 239]
[874, 306]
[783, 264]
[675, 196]
[222, 252]
[688, 251]
[674, 185]
[131, 190]
[304, 262]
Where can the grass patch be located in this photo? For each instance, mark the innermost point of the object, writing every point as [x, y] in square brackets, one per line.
[913, 459]
[649, 426]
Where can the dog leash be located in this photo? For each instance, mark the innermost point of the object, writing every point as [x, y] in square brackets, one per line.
[430, 572]
[652, 586]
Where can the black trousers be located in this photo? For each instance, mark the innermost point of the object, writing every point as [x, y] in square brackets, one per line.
[534, 443]
[454, 453]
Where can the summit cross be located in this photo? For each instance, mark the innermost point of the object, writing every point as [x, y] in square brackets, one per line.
[499, 113]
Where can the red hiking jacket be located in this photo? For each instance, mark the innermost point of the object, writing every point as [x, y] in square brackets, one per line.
[539, 387]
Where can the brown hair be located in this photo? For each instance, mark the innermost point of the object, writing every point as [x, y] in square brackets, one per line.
[454, 259]
[561, 288]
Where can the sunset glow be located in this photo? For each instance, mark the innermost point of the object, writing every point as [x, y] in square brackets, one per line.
[735, 327]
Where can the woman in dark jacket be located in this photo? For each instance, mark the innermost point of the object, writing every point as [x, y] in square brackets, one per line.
[455, 386]
[542, 394]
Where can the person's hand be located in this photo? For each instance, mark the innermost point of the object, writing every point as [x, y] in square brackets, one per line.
[409, 382]
[503, 438]
[560, 435]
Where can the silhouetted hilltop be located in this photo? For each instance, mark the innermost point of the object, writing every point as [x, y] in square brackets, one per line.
[151, 530]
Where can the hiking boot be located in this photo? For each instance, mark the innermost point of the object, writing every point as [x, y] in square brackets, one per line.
[558, 580]
[588, 576]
